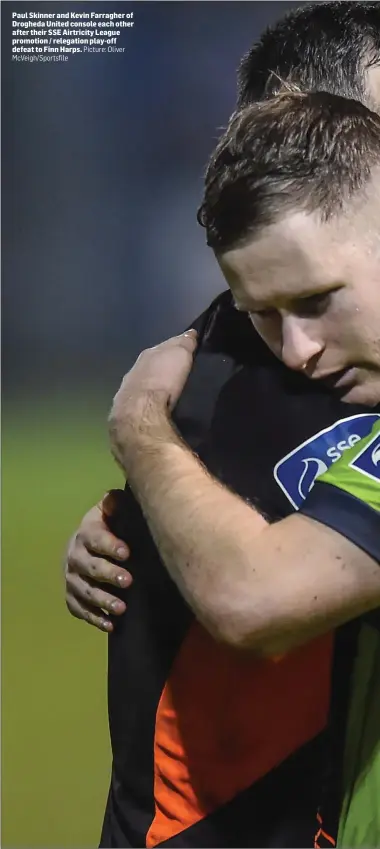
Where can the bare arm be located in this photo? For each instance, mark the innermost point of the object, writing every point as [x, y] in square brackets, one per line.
[256, 586]
[259, 587]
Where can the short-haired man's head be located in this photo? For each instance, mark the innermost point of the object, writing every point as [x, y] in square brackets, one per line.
[296, 151]
[329, 46]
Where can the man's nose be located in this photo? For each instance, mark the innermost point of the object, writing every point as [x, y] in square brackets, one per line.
[298, 346]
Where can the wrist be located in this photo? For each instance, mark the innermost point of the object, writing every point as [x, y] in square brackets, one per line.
[137, 433]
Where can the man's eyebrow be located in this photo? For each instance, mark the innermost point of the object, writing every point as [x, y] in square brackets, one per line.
[317, 291]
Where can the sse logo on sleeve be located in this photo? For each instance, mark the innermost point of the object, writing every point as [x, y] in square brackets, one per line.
[297, 472]
[347, 496]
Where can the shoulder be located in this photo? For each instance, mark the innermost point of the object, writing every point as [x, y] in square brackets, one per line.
[223, 329]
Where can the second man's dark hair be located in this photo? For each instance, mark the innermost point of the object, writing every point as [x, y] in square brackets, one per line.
[322, 46]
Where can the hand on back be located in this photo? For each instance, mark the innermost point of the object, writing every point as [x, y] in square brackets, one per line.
[95, 558]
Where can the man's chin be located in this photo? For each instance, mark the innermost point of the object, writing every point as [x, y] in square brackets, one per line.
[366, 394]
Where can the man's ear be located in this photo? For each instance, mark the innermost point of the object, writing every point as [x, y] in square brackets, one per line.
[373, 88]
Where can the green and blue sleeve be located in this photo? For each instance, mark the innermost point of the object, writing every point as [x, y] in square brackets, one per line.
[347, 496]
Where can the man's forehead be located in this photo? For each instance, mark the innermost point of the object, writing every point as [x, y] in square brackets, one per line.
[291, 258]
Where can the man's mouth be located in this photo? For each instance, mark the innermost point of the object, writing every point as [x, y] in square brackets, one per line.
[339, 379]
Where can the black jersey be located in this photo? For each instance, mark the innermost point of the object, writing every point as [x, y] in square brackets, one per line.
[211, 747]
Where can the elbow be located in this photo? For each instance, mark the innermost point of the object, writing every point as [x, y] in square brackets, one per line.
[259, 641]
[255, 633]
[264, 623]
[268, 636]
[259, 621]
[254, 640]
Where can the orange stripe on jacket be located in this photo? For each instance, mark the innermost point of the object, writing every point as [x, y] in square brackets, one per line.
[225, 719]
[321, 833]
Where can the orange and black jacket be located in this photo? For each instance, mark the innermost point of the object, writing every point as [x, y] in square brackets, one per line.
[212, 748]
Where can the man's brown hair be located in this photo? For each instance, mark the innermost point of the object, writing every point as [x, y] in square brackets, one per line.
[296, 150]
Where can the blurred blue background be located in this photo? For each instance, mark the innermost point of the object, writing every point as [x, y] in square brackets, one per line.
[103, 158]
